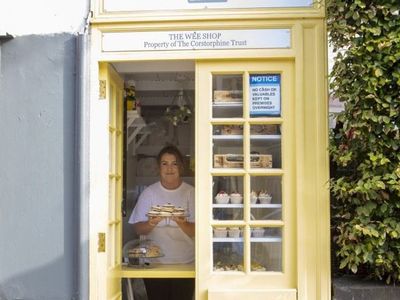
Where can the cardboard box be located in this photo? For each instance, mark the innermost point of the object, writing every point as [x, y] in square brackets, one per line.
[236, 161]
[228, 96]
[232, 129]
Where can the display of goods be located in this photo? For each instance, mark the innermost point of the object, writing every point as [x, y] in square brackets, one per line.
[144, 249]
[228, 96]
[232, 129]
[236, 161]
[271, 129]
[166, 210]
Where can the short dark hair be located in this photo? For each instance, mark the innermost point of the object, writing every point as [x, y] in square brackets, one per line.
[170, 149]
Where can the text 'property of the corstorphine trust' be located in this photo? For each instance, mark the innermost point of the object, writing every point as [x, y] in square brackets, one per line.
[197, 40]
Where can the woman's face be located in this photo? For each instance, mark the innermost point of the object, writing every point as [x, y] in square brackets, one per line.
[169, 171]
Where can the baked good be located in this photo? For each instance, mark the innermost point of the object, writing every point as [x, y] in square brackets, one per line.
[145, 251]
[178, 213]
[253, 197]
[165, 213]
[222, 198]
[264, 197]
[153, 251]
[156, 208]
[153, 213]
[236, 198]
[166, 210]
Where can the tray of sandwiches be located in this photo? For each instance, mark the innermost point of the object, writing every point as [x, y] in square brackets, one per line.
[167, 210]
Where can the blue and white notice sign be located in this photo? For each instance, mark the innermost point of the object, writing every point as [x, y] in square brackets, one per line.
[265, 95]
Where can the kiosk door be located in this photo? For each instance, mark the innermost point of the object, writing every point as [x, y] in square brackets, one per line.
[245, 180]
[106, 215]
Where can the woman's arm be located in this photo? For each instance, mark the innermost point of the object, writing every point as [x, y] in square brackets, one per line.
[187, 227]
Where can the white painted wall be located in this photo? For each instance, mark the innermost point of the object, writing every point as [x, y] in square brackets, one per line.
[24, 17]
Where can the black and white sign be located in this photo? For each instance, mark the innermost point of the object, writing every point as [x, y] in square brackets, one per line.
[265, 95]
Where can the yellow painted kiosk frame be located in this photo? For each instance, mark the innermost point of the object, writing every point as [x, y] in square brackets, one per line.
[302, 271]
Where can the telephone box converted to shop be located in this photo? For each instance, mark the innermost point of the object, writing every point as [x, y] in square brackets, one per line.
[251, 80]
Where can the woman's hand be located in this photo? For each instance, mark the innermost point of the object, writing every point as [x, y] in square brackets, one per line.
[153, 221]
[143, 228]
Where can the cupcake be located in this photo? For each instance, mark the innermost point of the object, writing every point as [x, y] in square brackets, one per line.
[156, 208]
[220, 232]
[222, 198]
[264, 197]
[253, 197]
[257, 232]
[153, 213]
[165, 213]
[168, 207]
[178, 211]
[234, 232]
[236, 198]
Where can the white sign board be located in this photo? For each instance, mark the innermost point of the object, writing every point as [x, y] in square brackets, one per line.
[196, 40]
[162, 5]
[265, 95]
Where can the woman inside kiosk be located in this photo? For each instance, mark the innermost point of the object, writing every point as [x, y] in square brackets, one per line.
[165, 214]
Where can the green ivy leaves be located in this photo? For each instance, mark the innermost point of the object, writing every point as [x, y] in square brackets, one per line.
[365, 184]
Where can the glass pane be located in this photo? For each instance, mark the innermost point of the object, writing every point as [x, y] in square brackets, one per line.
[227, 96]
[227, 249]
[265, 146]
[228, 146]
[266, 249]
[266, 197]
[228, 198]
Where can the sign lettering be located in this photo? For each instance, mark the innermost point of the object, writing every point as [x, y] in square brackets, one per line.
[197, 40]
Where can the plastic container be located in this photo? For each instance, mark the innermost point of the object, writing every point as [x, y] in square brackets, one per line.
[220, 232]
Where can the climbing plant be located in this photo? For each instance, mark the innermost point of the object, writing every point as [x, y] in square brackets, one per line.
[365, 146]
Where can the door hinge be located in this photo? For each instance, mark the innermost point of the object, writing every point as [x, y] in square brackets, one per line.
[102, 89]
[101, 243]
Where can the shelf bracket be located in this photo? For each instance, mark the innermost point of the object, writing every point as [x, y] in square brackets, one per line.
[137, 131]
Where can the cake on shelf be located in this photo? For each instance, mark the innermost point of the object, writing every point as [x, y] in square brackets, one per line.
[145, 249]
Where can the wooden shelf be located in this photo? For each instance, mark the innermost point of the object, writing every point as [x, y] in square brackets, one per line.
[228, 104]
[230, 137]
[228, 240]
[159, 271]
[267, 239]
[255, 205]
[262, 205]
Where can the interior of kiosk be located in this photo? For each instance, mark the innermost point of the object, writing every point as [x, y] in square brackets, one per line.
[154, 91]
[159, 88]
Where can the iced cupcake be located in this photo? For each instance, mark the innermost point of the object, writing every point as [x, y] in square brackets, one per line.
[220, 232]
[222, 198]
[253, 197]
[264, 197]
[234, 232]
[236, 198]
[257, 232]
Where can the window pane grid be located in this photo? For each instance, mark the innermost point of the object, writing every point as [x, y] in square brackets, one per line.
[257, 247]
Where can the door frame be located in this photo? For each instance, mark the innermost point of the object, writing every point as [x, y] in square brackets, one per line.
[308, 53]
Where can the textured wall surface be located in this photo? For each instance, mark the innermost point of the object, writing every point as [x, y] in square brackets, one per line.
[353, 288]
[38, 217]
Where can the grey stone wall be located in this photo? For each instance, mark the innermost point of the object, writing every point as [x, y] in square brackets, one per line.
[39, 217]
[353, 288]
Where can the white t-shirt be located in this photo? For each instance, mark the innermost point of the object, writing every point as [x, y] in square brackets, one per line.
[176, 245]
